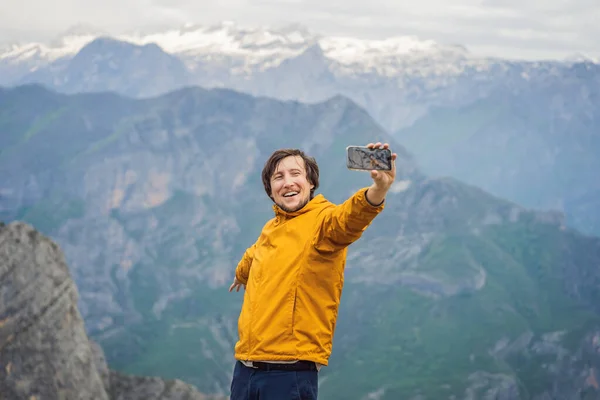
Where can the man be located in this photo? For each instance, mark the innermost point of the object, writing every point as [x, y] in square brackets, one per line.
[293, 277]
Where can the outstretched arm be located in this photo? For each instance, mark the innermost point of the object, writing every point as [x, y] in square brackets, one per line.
[345, 223]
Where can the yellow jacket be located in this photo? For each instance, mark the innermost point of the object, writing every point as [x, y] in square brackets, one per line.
[294, 275]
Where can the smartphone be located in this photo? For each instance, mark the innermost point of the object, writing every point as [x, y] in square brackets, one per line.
[362, 158]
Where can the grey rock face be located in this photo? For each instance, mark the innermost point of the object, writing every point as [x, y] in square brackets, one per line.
[43, 344]
[124, 387]
[491, 387]
[44, 349]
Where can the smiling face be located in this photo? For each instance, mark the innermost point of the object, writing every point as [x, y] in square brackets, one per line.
[290, 187]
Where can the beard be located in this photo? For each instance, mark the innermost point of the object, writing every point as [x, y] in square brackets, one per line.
[298, 207]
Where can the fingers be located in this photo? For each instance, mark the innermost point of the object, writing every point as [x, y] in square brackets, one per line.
[236, 286]
[378, 145]
[383, 178]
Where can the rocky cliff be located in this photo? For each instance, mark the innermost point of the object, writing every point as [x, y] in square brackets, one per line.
[45, 352]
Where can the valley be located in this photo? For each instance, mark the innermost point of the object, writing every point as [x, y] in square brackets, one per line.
[452, 293]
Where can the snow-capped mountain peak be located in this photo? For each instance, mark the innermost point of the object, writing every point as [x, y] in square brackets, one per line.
[251, 49]
[67, 43]
[243, 46]
[388, 56]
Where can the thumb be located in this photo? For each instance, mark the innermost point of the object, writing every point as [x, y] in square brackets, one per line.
[374, 174]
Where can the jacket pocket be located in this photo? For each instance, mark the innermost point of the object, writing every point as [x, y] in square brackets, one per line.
[294, 305]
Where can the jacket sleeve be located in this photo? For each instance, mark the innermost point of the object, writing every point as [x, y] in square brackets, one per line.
[243, 268]
[345, 223]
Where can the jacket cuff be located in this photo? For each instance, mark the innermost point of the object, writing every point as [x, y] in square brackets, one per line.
[240, 278]
[365, 200]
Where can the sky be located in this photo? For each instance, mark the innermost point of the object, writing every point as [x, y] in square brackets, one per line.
[530, 29]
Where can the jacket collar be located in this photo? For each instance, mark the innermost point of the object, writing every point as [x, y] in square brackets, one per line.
[313, 204]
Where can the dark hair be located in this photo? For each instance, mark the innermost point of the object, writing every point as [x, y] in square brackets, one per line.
[310, 164]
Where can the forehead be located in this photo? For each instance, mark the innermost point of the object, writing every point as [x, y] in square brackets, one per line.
[290, 163]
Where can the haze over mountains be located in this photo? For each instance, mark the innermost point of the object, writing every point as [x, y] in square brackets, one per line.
[396, 79]
[453, 294]
[405, 83]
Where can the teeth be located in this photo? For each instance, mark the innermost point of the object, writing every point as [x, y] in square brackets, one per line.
[290, 194]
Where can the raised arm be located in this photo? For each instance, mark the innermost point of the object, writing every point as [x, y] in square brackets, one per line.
[344, 224]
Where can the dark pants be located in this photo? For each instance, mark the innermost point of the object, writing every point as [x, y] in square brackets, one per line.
[255, 384]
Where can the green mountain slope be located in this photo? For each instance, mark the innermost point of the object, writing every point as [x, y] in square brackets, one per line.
[451, 292]
[537, 145]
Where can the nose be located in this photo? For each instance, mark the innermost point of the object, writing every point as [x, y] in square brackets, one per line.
[288, 181]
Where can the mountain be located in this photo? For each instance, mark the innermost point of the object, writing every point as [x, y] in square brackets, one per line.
[248, 50]
[492, 113]
[44, 350]
[536, 143]
[397, 80]
[106, 64]
[451, 293]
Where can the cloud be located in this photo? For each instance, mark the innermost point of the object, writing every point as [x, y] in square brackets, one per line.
[519, 28]
[532, 28]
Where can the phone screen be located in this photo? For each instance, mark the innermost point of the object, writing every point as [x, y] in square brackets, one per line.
[365, 159]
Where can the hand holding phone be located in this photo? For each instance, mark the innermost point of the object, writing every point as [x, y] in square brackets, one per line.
[380, 161]
[368, 158]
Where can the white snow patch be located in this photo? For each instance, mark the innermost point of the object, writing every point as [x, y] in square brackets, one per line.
[247, 49]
